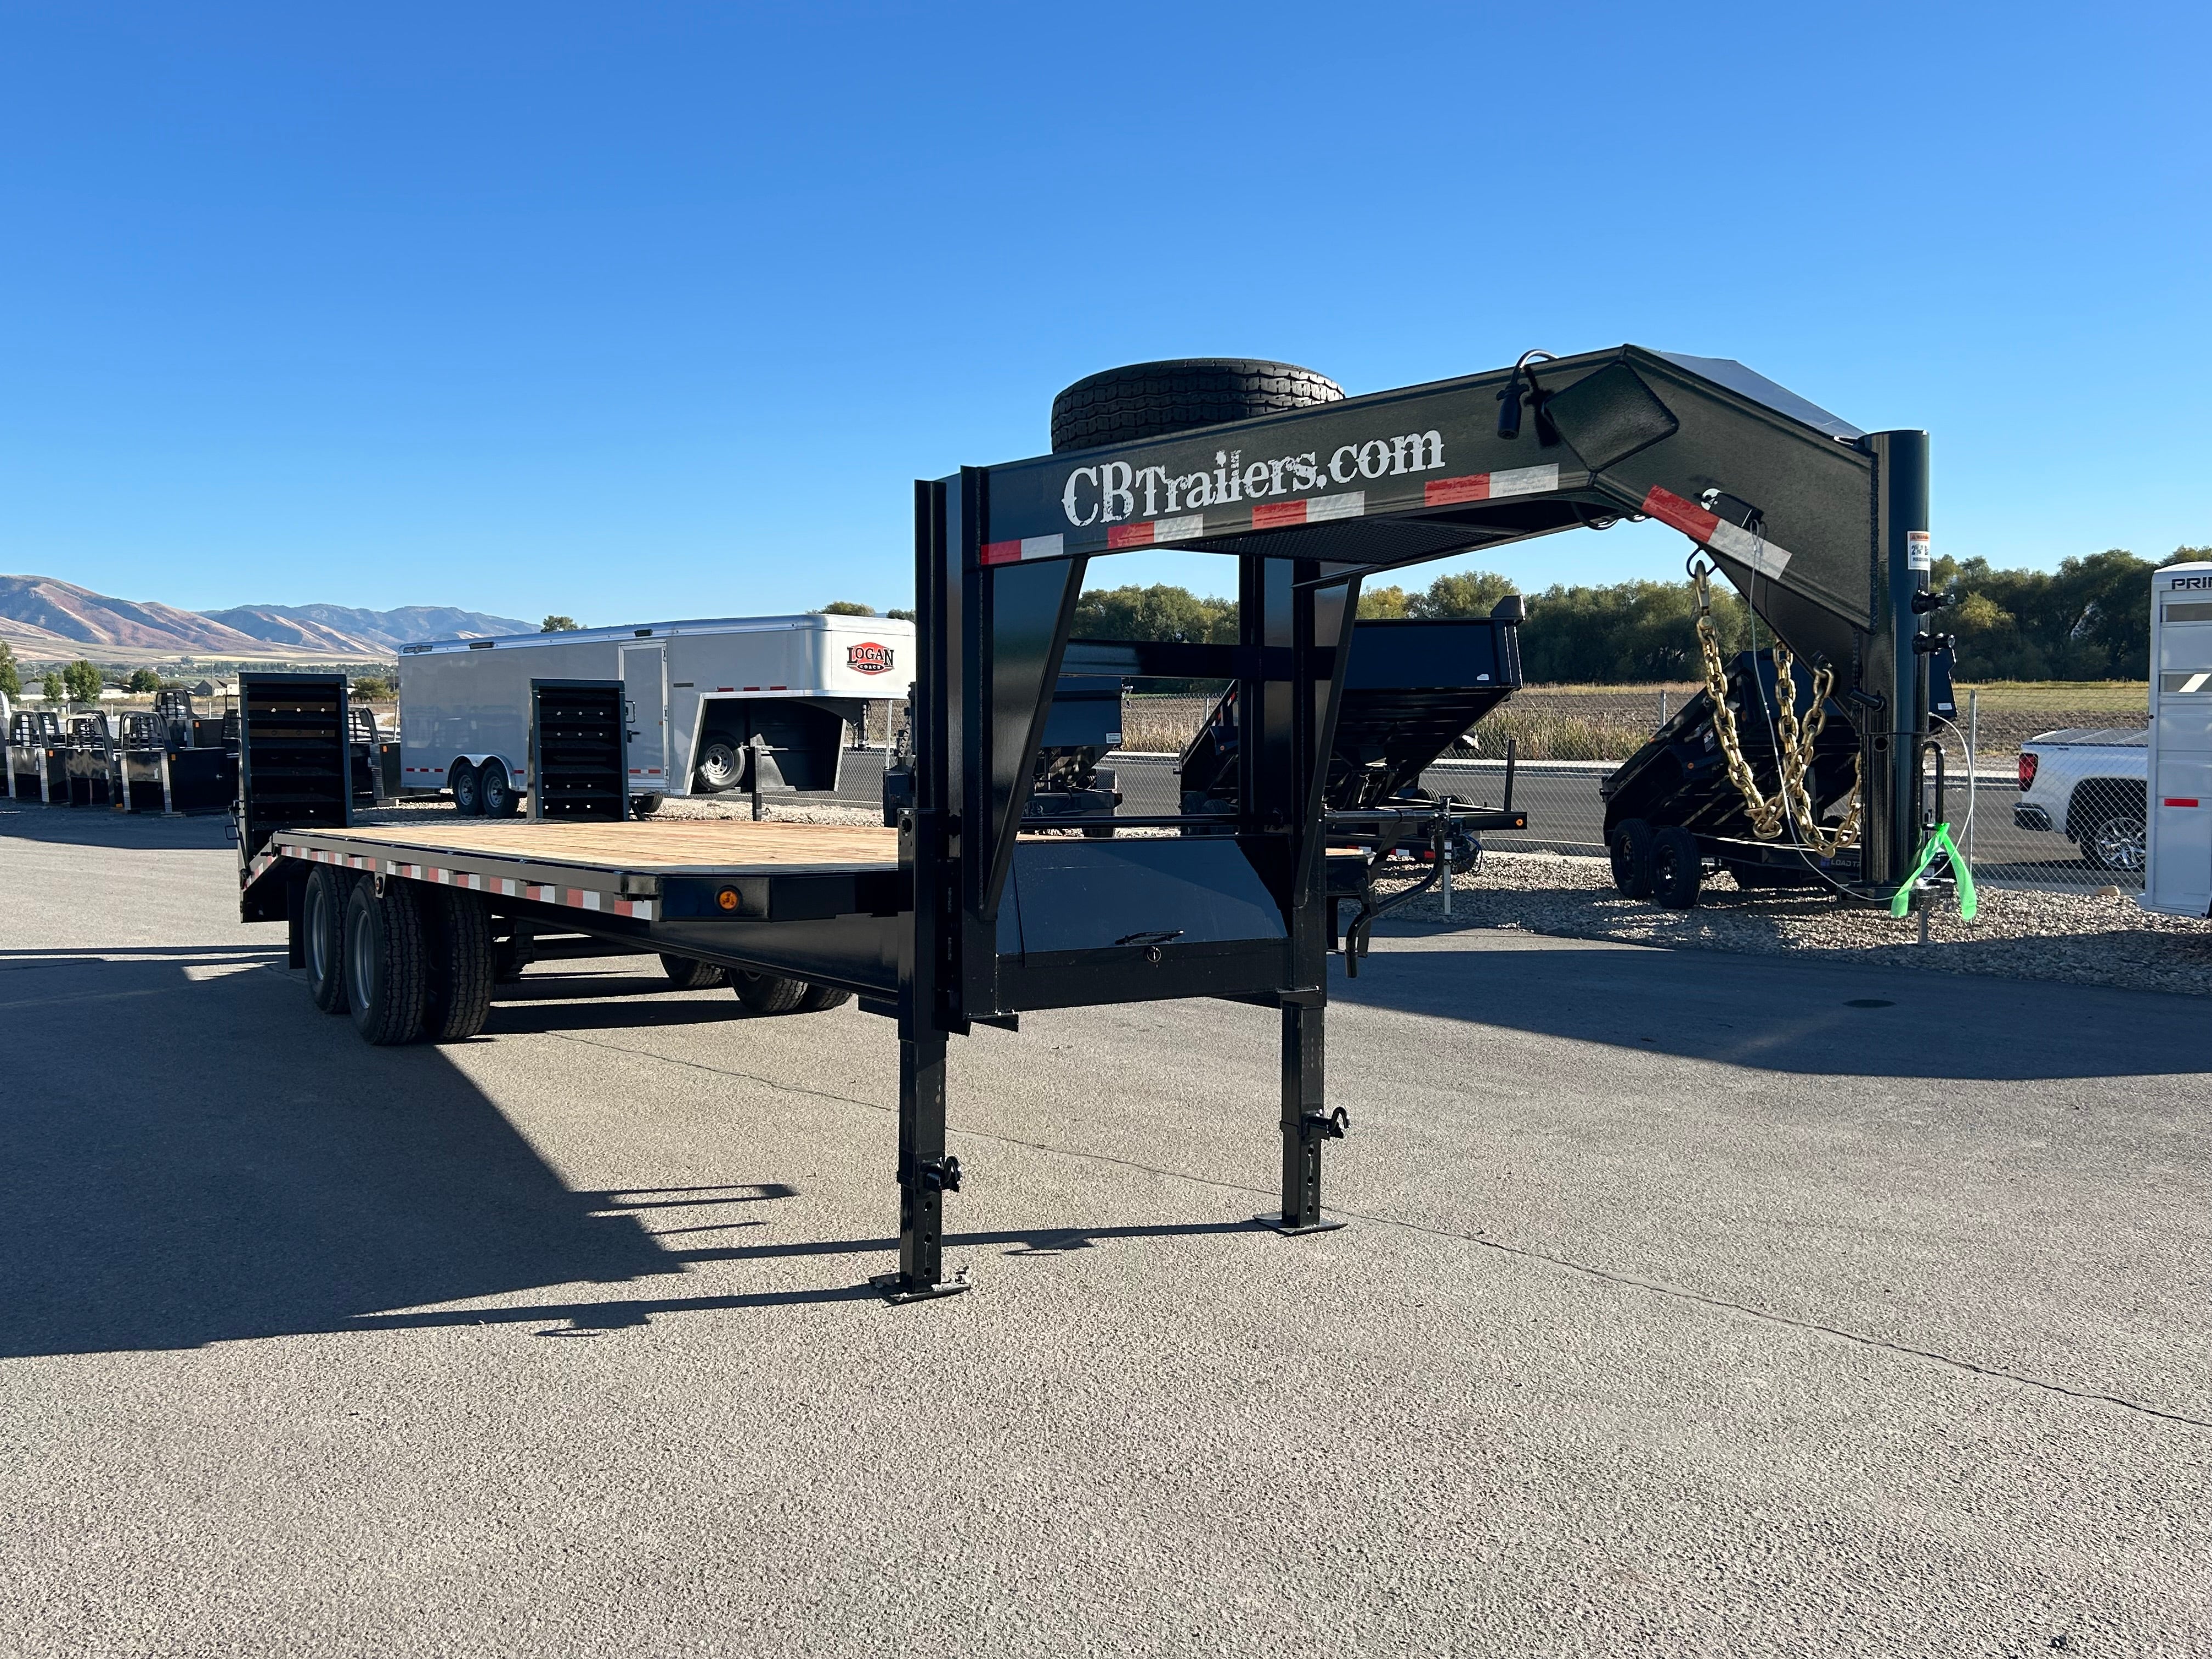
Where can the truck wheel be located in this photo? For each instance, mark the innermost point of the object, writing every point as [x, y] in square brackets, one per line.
[500, 800]
[2115, 842]
[722, 763]
[1678, 869]
[765, 994]
[1149, 400]
[821, 997]
[686, 975]
[458, 951]
[384, 959]
[644, 806]
[1631, 847]
[322, 938]
[468, 789]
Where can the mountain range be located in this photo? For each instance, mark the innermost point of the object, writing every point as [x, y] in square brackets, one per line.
[44, 619]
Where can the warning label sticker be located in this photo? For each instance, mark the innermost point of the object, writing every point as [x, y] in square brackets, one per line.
[1916, 550]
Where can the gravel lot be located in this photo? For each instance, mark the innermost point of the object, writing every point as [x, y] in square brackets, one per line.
[2077, 939]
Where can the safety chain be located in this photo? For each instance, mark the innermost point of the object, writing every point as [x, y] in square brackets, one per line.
[1795, 740]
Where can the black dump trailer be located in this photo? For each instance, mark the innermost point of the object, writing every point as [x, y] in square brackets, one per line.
[1672, 810]
[1412, 691]
[961, 916]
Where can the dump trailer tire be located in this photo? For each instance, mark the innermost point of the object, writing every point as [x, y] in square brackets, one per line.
[644, 806]
[1630, 848]
[457, 998]
[820, 998]
[765, 993]
[1149, 400]
[467, 789]
[322, 938]
[722, 763]
[686, 973]
[1678, 868]
[387, 973]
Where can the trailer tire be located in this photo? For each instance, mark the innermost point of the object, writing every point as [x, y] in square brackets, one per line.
[468, 789]
[1678, 868]
[1630, 847]
[820, 998]
[1149, 400]
[722, 763]
[644, 806]
[322, 938]
[765, 993]
[457, 998]
[385, 973]
[497, 789]
[687, 973]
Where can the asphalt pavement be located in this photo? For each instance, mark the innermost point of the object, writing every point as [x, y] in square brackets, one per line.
[1689, 1303]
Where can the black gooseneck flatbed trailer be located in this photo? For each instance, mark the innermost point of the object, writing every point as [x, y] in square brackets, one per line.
[962, 916]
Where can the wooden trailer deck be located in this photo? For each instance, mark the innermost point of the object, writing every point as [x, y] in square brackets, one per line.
[714, 846]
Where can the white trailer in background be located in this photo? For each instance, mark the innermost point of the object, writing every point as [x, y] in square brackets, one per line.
[2177, 877]
[712, 705]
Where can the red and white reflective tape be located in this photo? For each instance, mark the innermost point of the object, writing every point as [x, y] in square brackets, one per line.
[573, 898]
[1154, 532]
[1708, 531]
[1314, 509]
[1029, 546]
[1493, 486]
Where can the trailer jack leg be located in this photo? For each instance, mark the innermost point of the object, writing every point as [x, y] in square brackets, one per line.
[926, 1174]
[1307, 1125]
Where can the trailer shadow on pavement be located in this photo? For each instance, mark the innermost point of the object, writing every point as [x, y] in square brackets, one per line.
[173, 1179]
[1776, 1013]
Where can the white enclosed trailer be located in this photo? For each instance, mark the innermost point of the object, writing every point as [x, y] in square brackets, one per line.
[712, 705]
[2178, 874]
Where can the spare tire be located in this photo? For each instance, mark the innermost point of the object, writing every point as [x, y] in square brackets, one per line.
[1149, 400]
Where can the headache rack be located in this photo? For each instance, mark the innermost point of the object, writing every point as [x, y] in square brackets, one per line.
[963, 916]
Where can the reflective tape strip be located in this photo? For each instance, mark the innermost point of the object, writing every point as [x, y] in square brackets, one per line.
[2178, 800]
[1183, 527]
[1700, 526]
[573, 898]
[1493, 486]
[1029, 546]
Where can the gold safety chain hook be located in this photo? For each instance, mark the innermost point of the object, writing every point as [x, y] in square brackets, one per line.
[1795, 740]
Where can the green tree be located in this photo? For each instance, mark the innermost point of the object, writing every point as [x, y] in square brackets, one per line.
[83, 681]
[846, 608]
[11, 677]
[1465, 594]
[1162, 612]
[1384, 602]
[55, 687]
[143, 682]
[896, 615]
[373, 688]
[559, 625]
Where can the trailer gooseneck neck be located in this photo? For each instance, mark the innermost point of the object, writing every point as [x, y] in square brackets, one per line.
[980, 921]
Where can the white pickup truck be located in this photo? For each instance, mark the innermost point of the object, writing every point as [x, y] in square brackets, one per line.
[2088, 785]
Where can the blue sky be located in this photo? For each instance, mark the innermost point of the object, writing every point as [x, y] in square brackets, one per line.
[645, 311]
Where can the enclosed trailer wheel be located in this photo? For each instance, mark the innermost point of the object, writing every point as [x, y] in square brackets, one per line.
[1678, 869]
[644, 806]
[322, 938]
[1631, 847]
[457, 998]
[821, 998]
[497, 789]
[765, 994]
[686, 974]
[468, 793]
[386, 976]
